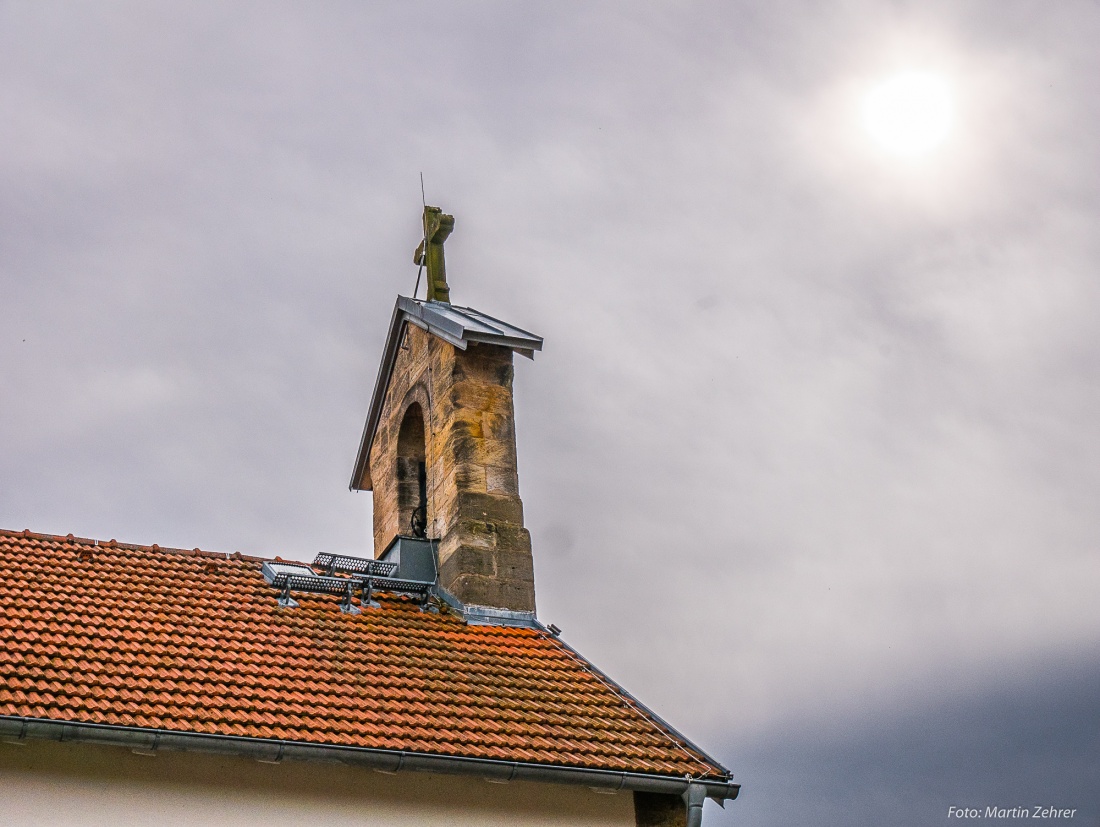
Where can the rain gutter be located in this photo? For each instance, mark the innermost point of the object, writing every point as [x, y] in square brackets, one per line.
[16, 729]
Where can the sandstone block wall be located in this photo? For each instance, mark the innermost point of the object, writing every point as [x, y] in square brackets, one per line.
[474, 508]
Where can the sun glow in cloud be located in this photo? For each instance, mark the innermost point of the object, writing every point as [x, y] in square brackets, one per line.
[909, 114]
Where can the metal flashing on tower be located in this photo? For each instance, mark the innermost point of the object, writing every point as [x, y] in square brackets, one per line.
[407, 567]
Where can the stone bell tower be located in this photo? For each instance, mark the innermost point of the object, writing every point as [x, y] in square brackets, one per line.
[439, 445]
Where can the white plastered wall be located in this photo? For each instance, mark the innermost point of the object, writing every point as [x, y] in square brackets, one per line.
[78, 785]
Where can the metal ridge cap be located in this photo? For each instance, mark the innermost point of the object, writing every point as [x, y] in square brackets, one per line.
[513, 342]
[422, 310]
[455, 319]
[17, 729]
[502, 329]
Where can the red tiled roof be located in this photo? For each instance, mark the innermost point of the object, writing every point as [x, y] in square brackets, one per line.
[194, 642]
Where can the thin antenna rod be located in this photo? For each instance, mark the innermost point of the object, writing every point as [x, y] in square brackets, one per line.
[423, 203]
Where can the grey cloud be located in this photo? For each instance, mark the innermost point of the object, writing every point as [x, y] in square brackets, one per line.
[1030, 741]
[817, 427]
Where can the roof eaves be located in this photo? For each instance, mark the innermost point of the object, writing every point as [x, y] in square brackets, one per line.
[18, 729]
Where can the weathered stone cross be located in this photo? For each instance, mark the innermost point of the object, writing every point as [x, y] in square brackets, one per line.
[437, 227]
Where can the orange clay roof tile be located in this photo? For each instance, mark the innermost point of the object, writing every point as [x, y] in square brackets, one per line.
[194, 641]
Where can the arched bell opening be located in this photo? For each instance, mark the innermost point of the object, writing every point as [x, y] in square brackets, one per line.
[412, 474]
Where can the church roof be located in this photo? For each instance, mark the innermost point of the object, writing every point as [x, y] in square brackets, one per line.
[458, 325]
[192, 645]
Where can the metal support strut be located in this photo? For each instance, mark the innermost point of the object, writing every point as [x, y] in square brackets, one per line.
[346, 606]
[285, 600]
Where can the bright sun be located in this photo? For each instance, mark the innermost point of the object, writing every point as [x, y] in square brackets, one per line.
[909, 114]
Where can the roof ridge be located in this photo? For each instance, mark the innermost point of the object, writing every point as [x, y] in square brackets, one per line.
[70, 539]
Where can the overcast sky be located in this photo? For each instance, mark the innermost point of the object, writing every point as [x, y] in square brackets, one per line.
[810, 458]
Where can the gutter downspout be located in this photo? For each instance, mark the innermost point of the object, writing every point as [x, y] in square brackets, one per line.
[694, 796]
